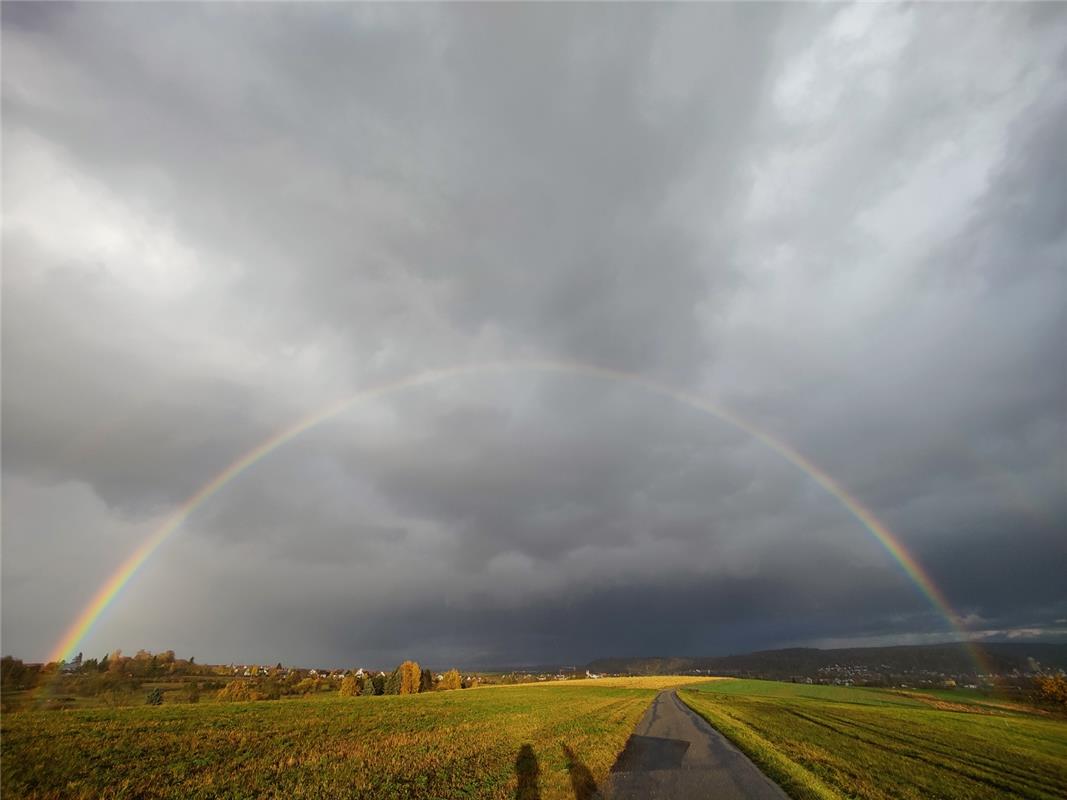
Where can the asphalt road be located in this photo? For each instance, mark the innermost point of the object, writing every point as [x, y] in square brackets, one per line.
[674, 754]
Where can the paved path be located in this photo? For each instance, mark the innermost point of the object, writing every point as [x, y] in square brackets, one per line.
[674, 754]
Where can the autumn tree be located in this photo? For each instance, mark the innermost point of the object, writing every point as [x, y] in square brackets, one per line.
[1051, 689]
[451, 680]
[349, 686]
[410, 677]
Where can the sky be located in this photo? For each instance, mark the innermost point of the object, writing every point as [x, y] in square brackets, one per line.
[845, 224]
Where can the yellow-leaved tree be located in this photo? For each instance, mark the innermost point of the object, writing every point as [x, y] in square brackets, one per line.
[451, 680]
[410, 677]
[349, 686]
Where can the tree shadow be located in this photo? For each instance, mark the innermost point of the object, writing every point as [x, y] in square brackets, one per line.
[527, 771]
[581, 778]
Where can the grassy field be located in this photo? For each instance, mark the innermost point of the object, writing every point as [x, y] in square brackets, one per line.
[472, 743]
[832, 742]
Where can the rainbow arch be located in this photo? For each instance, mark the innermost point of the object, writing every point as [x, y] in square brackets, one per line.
[112, 587]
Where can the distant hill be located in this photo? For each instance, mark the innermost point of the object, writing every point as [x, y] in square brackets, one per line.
[951, 658]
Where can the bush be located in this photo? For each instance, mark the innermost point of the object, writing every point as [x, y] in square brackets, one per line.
[236, 691]
[154, 697]
[268, 690]
[308, 686]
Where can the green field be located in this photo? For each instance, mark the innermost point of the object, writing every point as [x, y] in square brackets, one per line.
[830, 741]
[441, 744]
[500, 742]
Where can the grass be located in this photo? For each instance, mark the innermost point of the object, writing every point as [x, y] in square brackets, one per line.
[555, 738]
[835, 742]
[443, 744]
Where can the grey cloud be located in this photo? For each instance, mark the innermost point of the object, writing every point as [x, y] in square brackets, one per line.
[843, 223]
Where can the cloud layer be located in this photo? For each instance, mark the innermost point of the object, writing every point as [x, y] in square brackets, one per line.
[846, 224]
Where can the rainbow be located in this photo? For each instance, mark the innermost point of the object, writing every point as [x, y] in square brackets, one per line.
[111, 589]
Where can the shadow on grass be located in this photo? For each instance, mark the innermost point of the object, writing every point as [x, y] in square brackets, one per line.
[527, 771]
[581, 778]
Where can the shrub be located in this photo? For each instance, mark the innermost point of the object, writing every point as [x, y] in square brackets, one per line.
[308, 686]
[235, 691]
[154, 697]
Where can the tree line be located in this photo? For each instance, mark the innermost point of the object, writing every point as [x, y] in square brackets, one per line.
[407, 678]
[154, 678]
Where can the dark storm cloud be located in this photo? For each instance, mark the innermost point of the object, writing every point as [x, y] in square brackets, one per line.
[845, 223]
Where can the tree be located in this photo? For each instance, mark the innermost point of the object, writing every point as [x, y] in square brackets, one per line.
[16, 675]
[1051, 689]
[392, 683]
[451, 680]
[378, 683]
[426, 681]
[154, 697]
[349, 686]
[410, 677]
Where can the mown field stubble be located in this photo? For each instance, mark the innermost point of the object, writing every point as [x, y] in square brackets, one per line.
[837, 742]
[473, 743]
